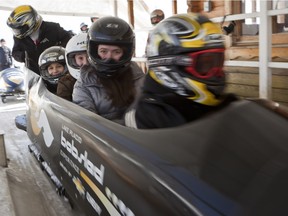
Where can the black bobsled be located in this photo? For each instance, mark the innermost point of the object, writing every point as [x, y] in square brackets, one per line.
[11, 83]
[234, 162]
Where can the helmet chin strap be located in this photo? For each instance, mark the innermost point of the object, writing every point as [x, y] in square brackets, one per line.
[107, 70]
[194, 90]
[203, 95]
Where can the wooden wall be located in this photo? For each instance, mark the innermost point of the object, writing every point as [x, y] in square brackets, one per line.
[244, 81]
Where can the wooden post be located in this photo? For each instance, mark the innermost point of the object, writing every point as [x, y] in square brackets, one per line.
[3, 158]
[174, 6]
[131, 12]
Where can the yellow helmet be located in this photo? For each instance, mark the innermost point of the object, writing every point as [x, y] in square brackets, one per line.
[186, 56]
[23, 21]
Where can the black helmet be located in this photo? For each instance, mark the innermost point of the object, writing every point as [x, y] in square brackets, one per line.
[24, 20]
[159, 14]
[110, 31]
[54, 54]
[186, 55]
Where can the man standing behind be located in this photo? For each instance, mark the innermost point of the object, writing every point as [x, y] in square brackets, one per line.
[5, 56]
[32, 35]
[156, 16]
[94, 19]
[84, 27]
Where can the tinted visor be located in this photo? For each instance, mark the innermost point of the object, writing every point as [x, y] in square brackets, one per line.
[206, 64]
[20, 30]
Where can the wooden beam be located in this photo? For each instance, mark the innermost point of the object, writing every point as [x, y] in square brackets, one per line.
[251, 53]
[174, 6]
[131, 12]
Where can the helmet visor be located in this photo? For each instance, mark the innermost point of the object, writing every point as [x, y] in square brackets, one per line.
[206, 64]
[20, 31]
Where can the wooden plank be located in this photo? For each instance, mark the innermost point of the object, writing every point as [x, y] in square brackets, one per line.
[276, 39]
[254, 70]
[244, 91]
[244, 70]
[283, 103]
[280, 82]
[280, 95]
[243, 79]
[252, 53]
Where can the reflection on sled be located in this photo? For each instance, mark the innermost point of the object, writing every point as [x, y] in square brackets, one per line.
[12, 83]
[234, 162]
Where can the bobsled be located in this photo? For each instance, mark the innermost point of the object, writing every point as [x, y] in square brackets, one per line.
[232, 162]
[11, 83]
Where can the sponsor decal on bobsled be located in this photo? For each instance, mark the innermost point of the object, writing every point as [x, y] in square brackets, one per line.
[72, 155]
[40, 123]
[79, 186]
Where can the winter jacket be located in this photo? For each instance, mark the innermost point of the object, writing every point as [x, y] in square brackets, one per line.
[65, 87]
[50, 34]
[166, 109]
[90, 94]
[5, 58]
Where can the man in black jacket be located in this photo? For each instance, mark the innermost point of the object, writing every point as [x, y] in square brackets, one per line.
[5, 56]
[32, 35]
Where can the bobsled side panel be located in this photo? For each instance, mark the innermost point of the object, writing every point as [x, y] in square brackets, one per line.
[224, 164]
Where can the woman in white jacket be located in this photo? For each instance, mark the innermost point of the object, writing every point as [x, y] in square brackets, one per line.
[110, 84]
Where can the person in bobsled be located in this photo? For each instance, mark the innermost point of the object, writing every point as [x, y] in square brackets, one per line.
[185, 79]
[110, 83]
[75, 57]
[52, 66]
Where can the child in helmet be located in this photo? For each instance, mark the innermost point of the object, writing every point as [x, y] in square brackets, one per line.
[75, 57]
[185, 79]
[111, 82]
[52, 66]
[32, 35]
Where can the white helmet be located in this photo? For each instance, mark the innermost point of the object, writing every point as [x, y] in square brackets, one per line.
[76, 44]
